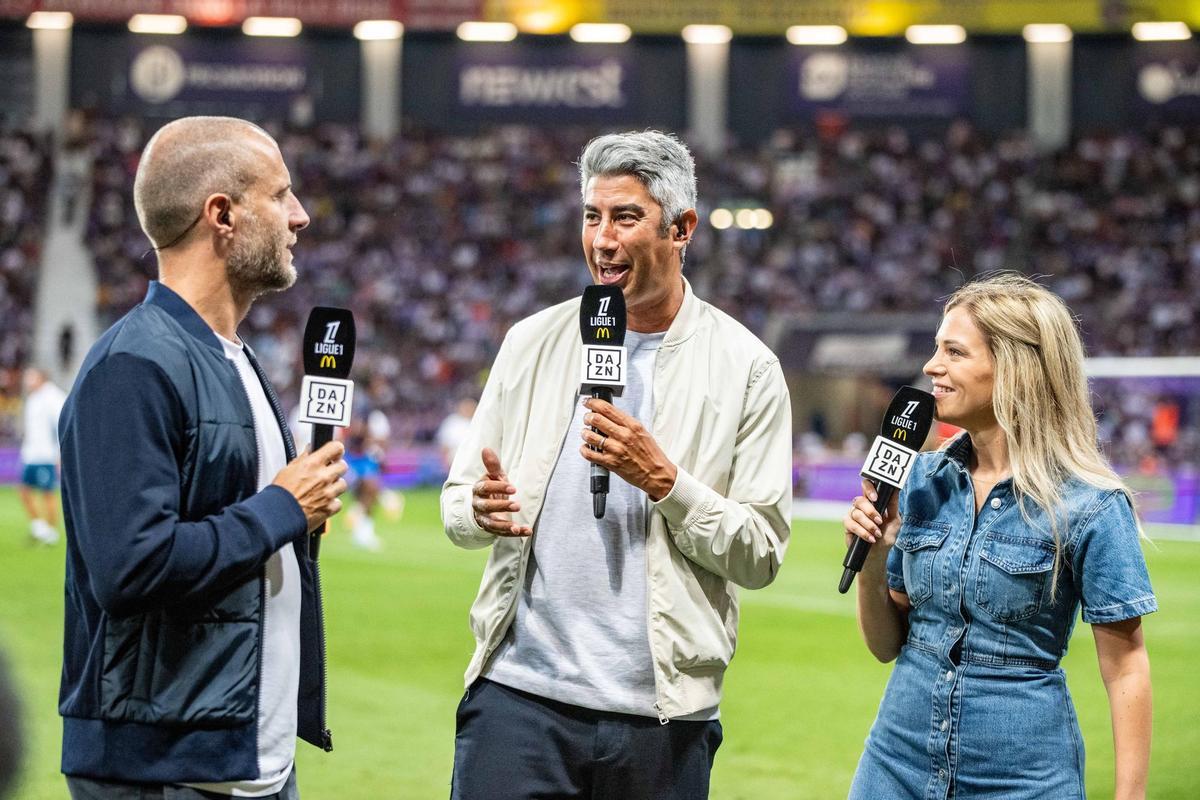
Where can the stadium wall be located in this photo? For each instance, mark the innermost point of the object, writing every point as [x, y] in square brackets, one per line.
[216, 71]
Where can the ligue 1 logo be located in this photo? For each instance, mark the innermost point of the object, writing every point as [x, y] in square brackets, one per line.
[904, 422]
[601, 320]
[328, 348]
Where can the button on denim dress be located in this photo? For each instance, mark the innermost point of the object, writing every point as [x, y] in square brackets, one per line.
[977, 705]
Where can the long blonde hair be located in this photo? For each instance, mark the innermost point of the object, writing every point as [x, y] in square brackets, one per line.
[1040, 394]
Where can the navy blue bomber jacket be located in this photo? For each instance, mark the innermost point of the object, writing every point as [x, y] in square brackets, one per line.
[167, 539]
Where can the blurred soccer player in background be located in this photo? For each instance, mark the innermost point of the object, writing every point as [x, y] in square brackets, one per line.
[986, 557]
[601, 644]
[366, 447]
[453, 429]
[39, 454]
[194, 646]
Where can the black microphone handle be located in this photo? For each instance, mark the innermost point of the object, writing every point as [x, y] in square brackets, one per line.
[599, 473]
[321, 436]
[856, 553]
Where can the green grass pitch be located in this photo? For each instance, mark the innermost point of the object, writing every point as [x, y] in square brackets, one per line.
[799, 696]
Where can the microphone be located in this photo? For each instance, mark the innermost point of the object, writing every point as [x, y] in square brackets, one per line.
[602, 328]
[905, 425]
[326, 395]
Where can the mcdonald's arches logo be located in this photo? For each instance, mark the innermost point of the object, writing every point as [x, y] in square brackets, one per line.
[328, 362]
[899, 435]
[603, 333]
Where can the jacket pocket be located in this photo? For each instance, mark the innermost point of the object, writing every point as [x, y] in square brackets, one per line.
[160, 671]
[703, 638]
[920, 541]
[1014, 573]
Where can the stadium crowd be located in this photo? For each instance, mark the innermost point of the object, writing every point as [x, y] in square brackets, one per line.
[25, 179]
[439, 243]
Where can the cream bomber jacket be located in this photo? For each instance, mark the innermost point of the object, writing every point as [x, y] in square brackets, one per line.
[722, 414]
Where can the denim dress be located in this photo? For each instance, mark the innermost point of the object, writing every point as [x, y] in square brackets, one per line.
[977, 705]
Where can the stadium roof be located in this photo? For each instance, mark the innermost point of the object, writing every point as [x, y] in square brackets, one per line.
[750, 17]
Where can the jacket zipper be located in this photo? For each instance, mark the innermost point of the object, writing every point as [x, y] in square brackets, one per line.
[663, 719]
[262, 637]
[326, 738]
[326, 734]
[262, 583]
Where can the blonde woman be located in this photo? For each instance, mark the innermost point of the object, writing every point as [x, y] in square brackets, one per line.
[979, 569]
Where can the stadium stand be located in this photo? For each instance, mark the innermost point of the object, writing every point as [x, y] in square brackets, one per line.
[422, 239]
[25, 171]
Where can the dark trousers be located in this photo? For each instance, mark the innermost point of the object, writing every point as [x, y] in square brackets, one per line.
[88, 789]
[515, 746]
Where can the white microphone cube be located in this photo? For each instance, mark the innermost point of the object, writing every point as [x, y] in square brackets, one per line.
[888, 462]
[326, 401]
[604, 366]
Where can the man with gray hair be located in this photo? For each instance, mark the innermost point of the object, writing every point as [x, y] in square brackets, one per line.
[194, 648]
[601, 643]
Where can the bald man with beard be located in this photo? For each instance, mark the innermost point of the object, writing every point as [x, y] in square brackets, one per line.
[193, 648]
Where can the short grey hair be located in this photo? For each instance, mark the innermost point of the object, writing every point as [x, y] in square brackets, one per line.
[187, 161]
[660, 161]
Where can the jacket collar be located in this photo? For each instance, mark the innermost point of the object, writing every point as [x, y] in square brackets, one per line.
[957, 451]
[181, 312]
[686, 320]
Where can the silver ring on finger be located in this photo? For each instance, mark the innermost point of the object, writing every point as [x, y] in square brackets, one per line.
[603, 439]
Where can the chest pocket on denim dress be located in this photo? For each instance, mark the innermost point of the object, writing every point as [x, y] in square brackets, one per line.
[920, 541]
[1014, 576]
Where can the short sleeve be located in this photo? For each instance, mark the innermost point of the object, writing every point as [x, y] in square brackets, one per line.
[895, 557]
[895, 569]
[1108, 567]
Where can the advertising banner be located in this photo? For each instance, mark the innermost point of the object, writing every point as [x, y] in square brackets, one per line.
[209, 72]
[16, 65]
[1167, 82]
[545, 84]
[186, 72]
[884, 17]
[902, 82]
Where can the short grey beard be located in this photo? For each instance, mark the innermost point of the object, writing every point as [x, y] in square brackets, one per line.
[257, 267]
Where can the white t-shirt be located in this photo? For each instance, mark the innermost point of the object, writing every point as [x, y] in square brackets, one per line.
[39, 441]
[580, 634]
[281, 620]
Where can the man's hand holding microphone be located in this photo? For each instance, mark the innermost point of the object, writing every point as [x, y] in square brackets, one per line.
[316, 481]
[621, 444]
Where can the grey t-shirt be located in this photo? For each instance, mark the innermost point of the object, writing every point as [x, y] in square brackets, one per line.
[580, 633]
